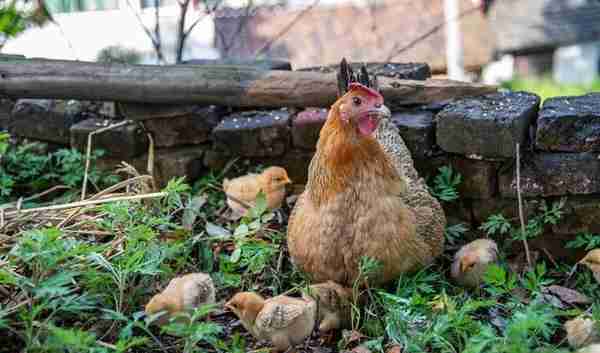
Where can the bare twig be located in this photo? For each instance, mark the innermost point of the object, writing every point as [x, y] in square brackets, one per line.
[156, 43]
[88, 151]
[207, 11]
[286, 29]
[520, 203]
[183, 8]
[44, 193]
[396, 50]
[150, 165]
[105, 192]
[87, 203]
[550, 257]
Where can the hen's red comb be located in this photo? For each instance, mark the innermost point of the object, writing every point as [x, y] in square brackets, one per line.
[360, 87]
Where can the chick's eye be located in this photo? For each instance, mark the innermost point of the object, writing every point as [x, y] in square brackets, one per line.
[357, 101]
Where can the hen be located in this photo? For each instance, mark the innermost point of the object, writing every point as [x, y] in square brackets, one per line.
[357, 201]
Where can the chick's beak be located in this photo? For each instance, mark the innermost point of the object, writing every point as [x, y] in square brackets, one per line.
[464, 266]
[288, 180]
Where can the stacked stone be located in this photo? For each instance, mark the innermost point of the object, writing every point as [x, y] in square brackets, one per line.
[559, 158]
[477, 137]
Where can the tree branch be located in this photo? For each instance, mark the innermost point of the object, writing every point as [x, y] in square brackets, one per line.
[207, 12]
[155, 41]
[183, 7]
[397, 51]
[286, 29]
[158, 45]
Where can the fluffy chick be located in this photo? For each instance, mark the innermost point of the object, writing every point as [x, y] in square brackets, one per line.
[592, 261]
[582, 332]
[472, 260]
[182, 294]
[284, 321]
[334, 305]
[271, 181]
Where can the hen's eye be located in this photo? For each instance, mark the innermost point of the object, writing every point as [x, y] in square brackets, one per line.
[357, 101]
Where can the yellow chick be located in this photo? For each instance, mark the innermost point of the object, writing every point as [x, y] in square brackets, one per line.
[271, 181]
[182, 294]
[334, 305]
[284, 321]
[592, 261]
[582, 332]
[472, 260]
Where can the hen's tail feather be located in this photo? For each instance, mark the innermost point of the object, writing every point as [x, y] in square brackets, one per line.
[431, 220]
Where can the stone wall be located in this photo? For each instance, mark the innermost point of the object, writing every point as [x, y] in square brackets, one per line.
[560, 145]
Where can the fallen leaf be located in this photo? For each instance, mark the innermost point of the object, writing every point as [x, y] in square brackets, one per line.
[553, 300]
[567, 295]
[361, 349]
[214, 230]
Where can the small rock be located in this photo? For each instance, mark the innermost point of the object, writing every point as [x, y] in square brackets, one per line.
[44, 119]
[484, 208]
[417, 131]
[193, 126]
[216, 160]
[479, 178]
[488, 126]
[458, 211]
[295, 163]
[168, 163]
[306, 127]
[580, 215]
[254, 133]
[6, 106]
[122, 142]
[429, 167]
[553, 174]
[178, 162]
[569, 124]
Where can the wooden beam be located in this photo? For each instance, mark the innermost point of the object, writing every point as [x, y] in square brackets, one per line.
[229, 85]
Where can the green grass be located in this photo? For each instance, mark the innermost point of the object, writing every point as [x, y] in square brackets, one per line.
[545, 87]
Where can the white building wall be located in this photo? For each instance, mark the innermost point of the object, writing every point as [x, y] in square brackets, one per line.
[576, 64]
[81, 35]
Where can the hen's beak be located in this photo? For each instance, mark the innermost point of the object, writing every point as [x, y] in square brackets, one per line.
[382, 111]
